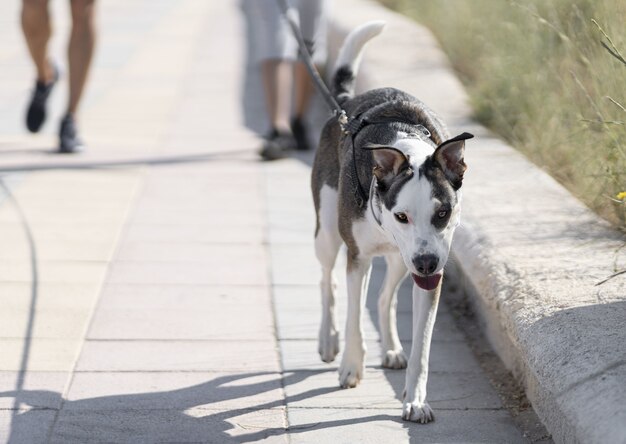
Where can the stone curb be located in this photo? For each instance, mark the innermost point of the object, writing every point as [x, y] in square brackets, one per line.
[531, 254]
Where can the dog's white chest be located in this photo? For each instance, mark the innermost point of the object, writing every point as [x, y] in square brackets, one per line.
[370, 237]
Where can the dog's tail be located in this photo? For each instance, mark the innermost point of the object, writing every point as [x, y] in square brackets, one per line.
[349, 59]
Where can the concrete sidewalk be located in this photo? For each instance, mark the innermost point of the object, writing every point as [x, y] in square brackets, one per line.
[162, 287]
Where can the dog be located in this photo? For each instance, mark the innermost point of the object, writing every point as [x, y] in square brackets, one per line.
[387, 184]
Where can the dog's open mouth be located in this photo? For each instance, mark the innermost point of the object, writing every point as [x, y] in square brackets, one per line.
[427, 282]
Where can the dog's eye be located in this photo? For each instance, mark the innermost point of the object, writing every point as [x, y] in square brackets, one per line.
[401, 217]
[442, 214]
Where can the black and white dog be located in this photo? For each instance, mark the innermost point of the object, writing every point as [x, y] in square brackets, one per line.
[389, 187]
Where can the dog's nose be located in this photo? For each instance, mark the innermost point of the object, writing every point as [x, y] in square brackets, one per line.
[426, 263]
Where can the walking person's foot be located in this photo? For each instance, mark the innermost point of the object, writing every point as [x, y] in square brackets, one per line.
[69, 142]
[277, 145]
[36, 115]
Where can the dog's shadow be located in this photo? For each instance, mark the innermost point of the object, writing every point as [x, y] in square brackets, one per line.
[190, 413]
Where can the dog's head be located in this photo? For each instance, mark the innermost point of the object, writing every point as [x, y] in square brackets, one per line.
[417, 197]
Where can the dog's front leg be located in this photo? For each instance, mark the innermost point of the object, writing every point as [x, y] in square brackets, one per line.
[393, 355]
[352, 363]
[415, 407]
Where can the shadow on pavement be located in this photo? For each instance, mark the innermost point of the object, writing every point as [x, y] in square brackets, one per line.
[34, 294]
[162, 416]
[152, 161]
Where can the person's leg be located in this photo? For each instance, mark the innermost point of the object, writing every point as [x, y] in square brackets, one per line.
[80, 53]
[37, 30]
[311, 23]
[277, 85]
[276, 51]
[303, 90]
[81, 46]
[277, 77]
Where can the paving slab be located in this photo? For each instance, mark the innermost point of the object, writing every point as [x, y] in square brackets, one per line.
[445, 356]
[182, 273]
[182, 312]
[451, 426]
[236, 356]
[173, 426]
[71, 272]
[40, 354]
[174, 390]
[383, 390]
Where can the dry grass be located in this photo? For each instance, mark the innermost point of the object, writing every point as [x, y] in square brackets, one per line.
[546, 76]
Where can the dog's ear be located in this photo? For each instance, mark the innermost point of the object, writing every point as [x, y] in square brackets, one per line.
[450, 157]
[388, 161]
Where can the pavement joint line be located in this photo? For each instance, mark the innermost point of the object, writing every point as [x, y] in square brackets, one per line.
[122, 231]
[439, 409]
[465, 372]
[253, 409]
[378, 341]
[173, 284]
[48, 338]
[220, 371]
[156, 409]
[267, 235]
[173, 340]
[239, 372]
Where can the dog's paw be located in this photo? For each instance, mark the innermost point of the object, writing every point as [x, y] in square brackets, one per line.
[328, 346]
[416, 412]
[395, 359]
[351, 371]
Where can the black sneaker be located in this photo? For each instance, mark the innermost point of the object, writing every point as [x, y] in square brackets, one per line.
[277, 145]
[300, 134]
[36, 115]
[69, 142]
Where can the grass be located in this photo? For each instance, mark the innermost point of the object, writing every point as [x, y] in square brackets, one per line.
[549, 76]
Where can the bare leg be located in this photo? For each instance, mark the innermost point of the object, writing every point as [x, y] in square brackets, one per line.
[82, 42]
[425, 305]
[303, 90]
[277, 82]
[37, 30]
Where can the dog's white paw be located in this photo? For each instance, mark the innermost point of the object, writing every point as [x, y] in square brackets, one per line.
[328, 345]
[395, 359]
[351, 369]
[416, 412]
[350, 375]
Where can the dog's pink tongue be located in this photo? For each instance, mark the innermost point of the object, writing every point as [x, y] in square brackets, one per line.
[427, 282]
